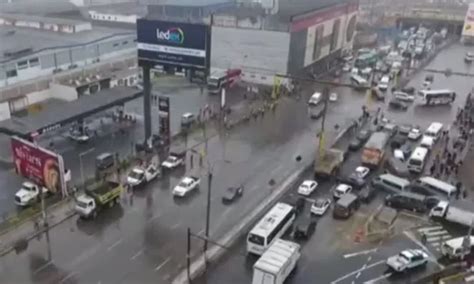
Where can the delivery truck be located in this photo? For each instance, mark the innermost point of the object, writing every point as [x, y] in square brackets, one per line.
[459, 212]
[276, 263]
[374, 150]
[329, 164]
[97, 197]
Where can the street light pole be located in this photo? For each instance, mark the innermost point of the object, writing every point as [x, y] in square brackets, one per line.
[208, 208]
[80, 164]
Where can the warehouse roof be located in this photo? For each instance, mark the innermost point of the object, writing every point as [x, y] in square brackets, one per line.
[40, 19]
[66, 113]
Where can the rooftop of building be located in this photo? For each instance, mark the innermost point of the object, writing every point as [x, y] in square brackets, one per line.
[292, 8]
[29, 40]
[40, 19]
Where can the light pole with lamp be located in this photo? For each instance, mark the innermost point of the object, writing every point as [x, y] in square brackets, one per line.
[80, 164]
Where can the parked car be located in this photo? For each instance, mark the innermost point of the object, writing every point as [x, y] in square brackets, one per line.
[187, 119]
[407, 259]
[378, 94]
[415, 133]
[397, 104]
[397, 141]
[315, 98]
[397, 167]
[355, 144]
[307, 187]
[333, 97]
[320, 206]
[364, 135]
[232, 193]
[367, 193]
[187, 184]
[405, 129]
[340, 190]
[359, 177]
[404, 96]
[304, 227]
[409, 90]
[408, 201]
[390, 128]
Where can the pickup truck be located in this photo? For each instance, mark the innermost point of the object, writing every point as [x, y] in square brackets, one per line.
[174, 160]
[140, 176]
[102, 195]
[457, 211]
[329, 164]
[186, 185]
[29, 193]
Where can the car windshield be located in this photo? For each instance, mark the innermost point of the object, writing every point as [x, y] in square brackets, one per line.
[256, 239]
[403, 256]
[171, 159]
[136, 174]
[319, 203]
[81, 204]
[184, 184]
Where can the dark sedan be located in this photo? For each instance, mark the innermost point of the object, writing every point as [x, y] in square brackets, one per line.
[232, 193]
[355, 144]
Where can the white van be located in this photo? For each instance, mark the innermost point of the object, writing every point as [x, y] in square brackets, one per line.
[359, 82]
[427, 142]
[383, 83]
[434, 130]
[390, 183]
[454, 249]
[315, 98]
[417, 160]
[437, 185]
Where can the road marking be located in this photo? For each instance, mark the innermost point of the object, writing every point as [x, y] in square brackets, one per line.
[114, 245]
[364, 252]
[375, 280]
[439, 233]
[432, 239]
[137, 254]
[357, 271]
[67, 277]
[162, 264]
[42, 267]
[358, 274]
[434, 228]
[175, 226]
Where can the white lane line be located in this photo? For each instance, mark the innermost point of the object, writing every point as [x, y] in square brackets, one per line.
[42, 267]
[382, 277]
[67, 277]
[364, 252]
[432, 239]
[114, 245]
[435, 244]
[137, 254]
[162, 264]
[434, 228]
[175, 226]
[357, 271]
[358, 274]
[439, 233]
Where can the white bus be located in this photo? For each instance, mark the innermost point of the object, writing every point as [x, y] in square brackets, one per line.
[359, 82]
[434, 130]
[417, 160]
[436, 97]
[437, 185]
[271, 227]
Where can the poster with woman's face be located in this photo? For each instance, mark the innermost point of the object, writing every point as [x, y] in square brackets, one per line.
[37, 164]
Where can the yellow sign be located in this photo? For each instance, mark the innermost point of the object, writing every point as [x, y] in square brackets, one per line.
[468, 29]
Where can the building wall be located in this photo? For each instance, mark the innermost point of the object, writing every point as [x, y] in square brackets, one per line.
[260, 54]
[4, 111]
[313, 36]
[57, 59]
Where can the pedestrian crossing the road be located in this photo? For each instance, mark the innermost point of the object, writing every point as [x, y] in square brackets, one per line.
[435, 236]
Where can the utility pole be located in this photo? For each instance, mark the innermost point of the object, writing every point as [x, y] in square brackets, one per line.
[208, 208]
[188, 256]
[323, 122]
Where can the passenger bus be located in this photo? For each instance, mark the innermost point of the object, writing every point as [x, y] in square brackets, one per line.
[222, 79]
[366, 60]
[270, 228]
[417, 160]
[436, 97]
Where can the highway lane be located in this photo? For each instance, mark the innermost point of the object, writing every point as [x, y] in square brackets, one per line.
[325, 262]
[146, 239]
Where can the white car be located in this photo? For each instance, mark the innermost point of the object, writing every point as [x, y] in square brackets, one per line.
[362, 172]
[407, 259]
[383, 83]
[29, 193]
[140, 176]
[320, 206]
[404, 96]
[414, 134]
[173, 161]
[341, 189]
[398, 154]
[307, 187]
[427, 142]
[315, 98]
[186, 185]
[333, 97]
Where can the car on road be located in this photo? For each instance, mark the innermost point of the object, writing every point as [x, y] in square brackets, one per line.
[407, 259]
[398, 141]
[408, 201]
[320, 206]
[29, 193]
[187, 184]
[364, 135]
[140, 176]
[315, 98]
[405, 129]
[397, 104]
[415, 133]
[340, 190]
[403, 96]
[427, 142]
[333, 97]
[390, 128]
[304, 227]
[174, 160]
[367, 193]
[104, 161]
[359, 177]
[409, 90]
[188, 119]
[232, 193]
[377, 94]
[355, 144]
[469, 57]
[307, 187]
[428, 80]
[383, 83]
[397, 167]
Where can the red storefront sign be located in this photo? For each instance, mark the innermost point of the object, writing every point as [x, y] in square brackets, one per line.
[39, 165]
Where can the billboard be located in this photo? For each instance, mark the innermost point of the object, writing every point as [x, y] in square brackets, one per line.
[39, 165]
[468, 28]
[172, 43]
[164, 113]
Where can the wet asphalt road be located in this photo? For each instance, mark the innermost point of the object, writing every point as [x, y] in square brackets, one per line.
[144, 240]
[326, 257]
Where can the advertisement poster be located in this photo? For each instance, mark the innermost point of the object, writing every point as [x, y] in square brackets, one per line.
[39, 165]
[171, 43]
[164, 113]
[468, 28]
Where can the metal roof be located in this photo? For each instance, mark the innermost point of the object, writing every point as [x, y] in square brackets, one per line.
[276, 256]
[70, 112]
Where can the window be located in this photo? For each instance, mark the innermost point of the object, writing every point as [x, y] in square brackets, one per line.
[318, 35]
[335, 34]
[11, 73]
[124, 42]
[33, 62]
[22, 65]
